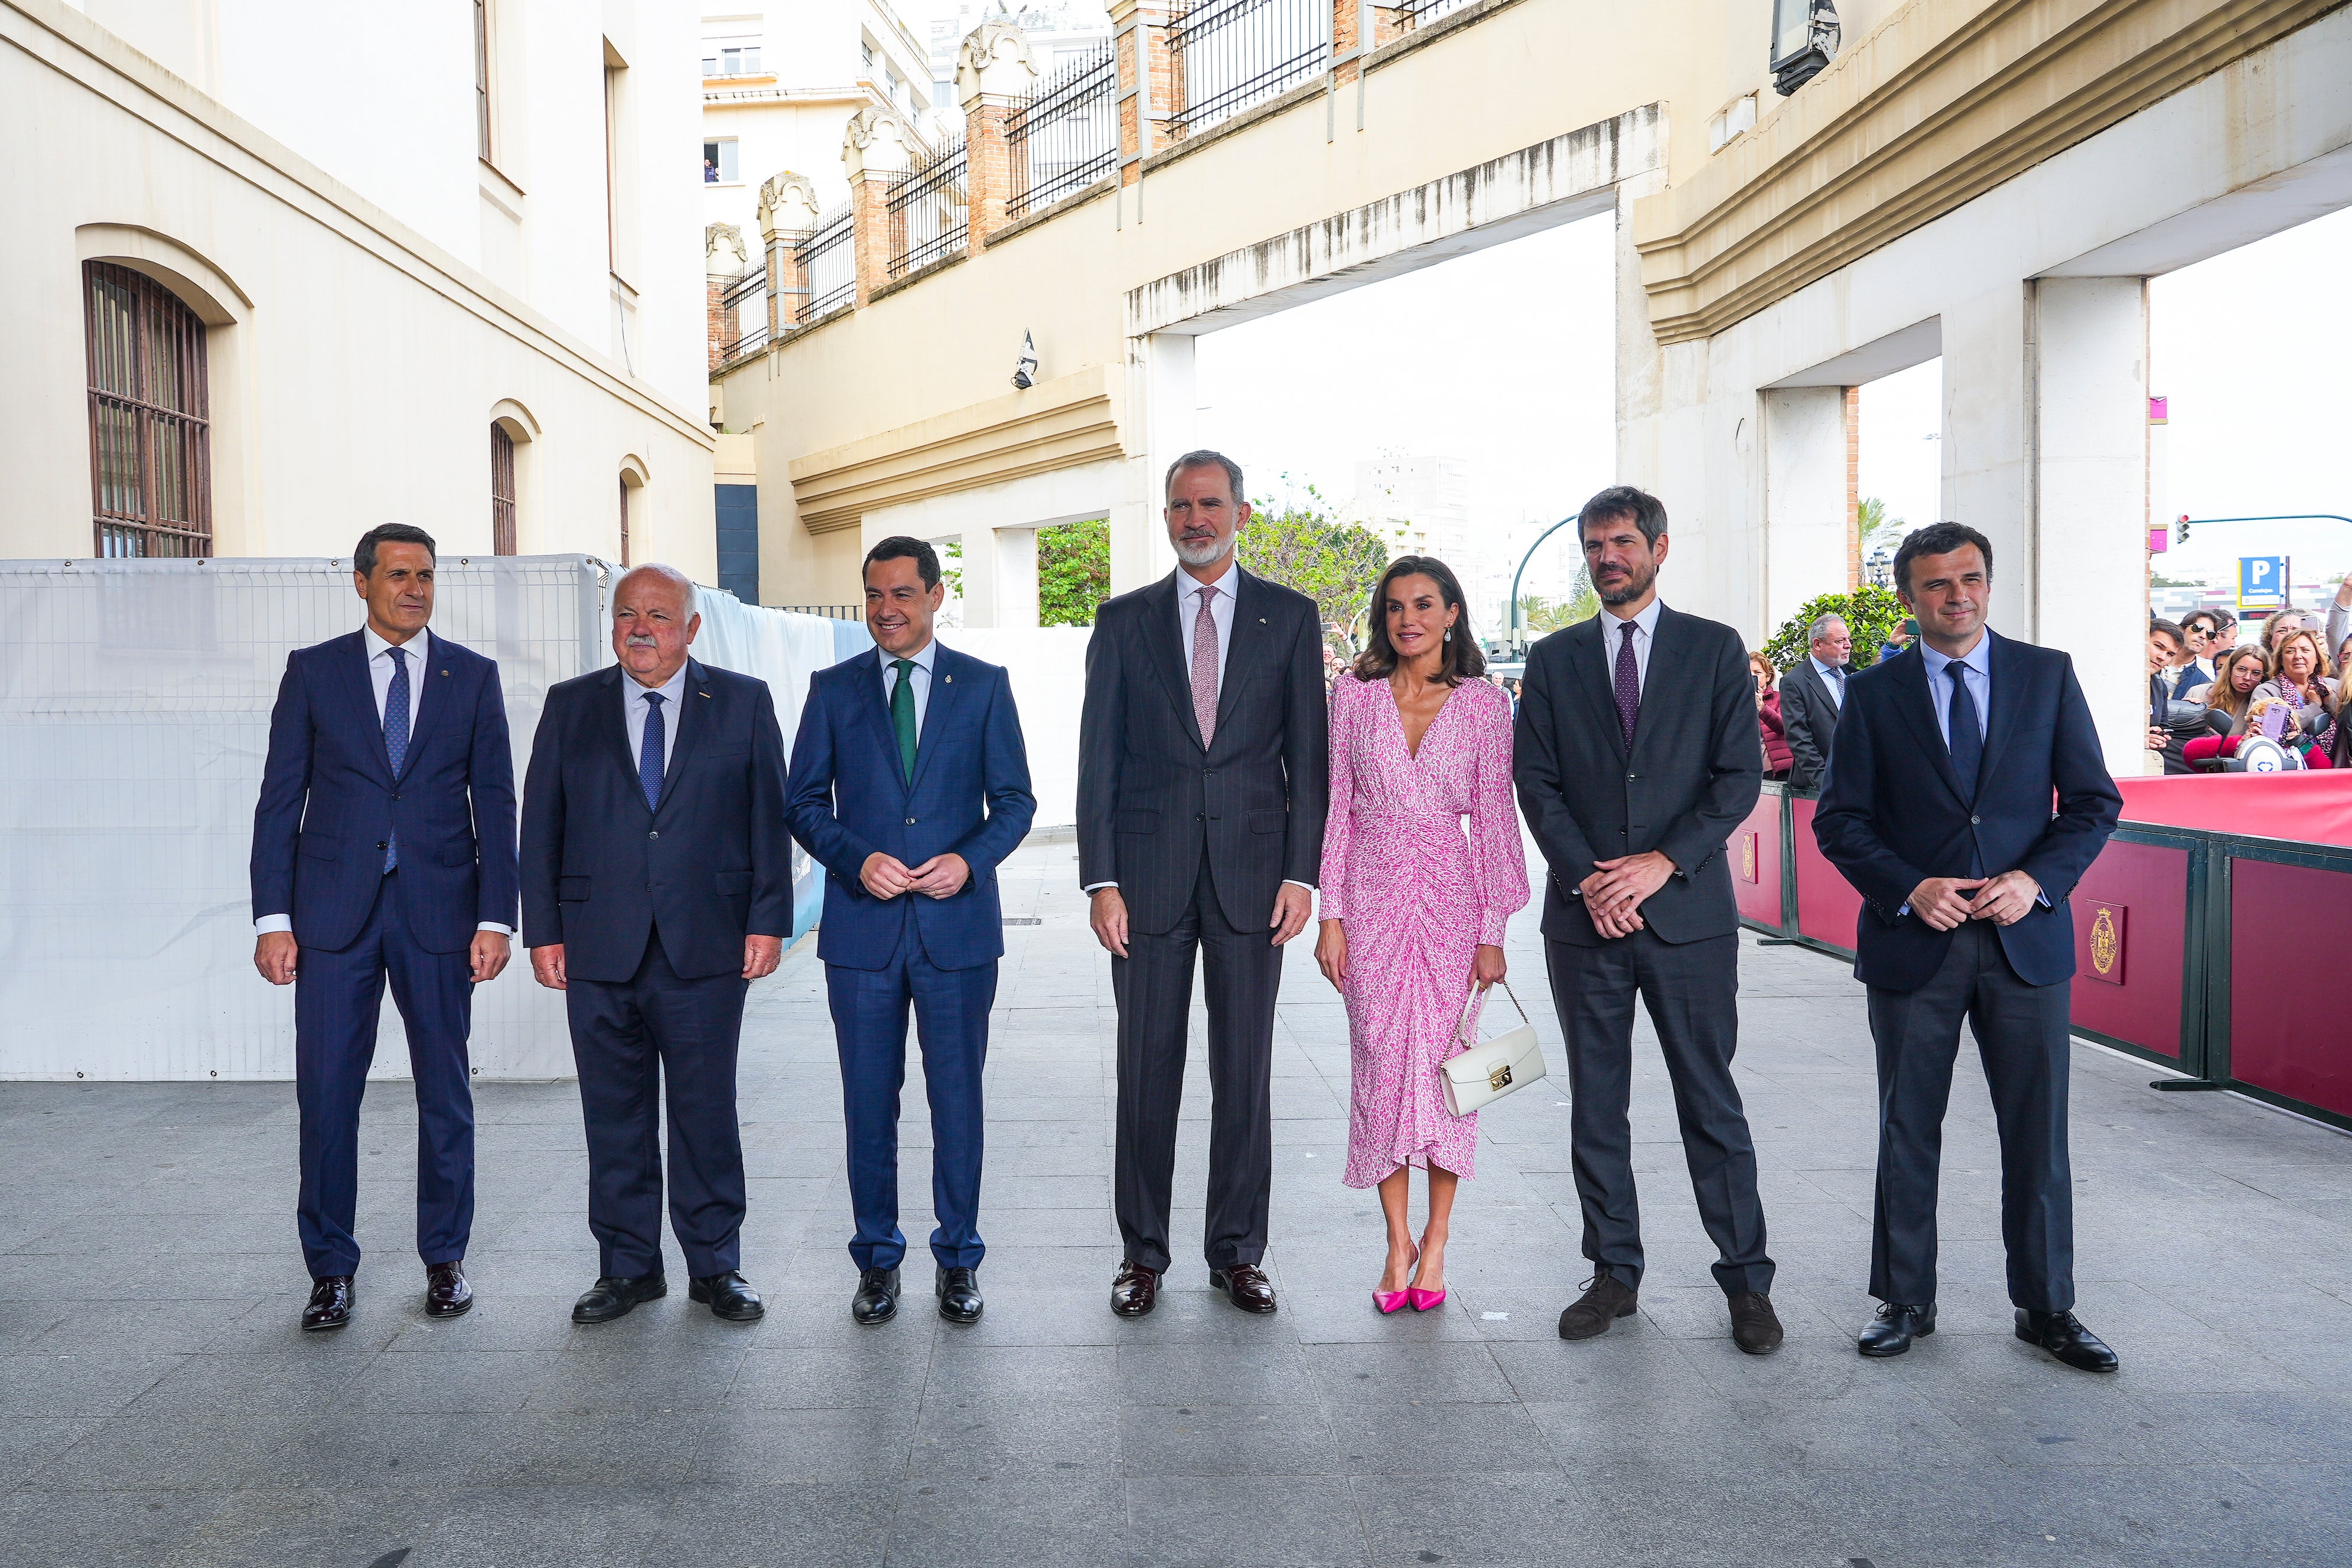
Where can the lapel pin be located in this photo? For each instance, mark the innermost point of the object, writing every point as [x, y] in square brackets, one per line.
[949, 679]
[704, 695]
[444, 675]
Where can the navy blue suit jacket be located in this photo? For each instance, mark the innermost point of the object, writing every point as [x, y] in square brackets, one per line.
[1892, 813]
[708, 867]
[329, 803]
[849, 799]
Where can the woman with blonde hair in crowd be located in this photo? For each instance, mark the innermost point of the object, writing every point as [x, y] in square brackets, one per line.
[2229, 705]
[1413, 908]
[2298, 678]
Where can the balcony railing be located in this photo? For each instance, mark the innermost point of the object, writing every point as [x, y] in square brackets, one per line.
[1066, 137]
[829, 262]
[743, 315]
[1231, 54]
[930, 211]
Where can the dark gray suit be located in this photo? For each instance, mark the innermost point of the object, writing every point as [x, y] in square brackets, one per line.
[1810, 714]
[1198, 841]
[1693, 774]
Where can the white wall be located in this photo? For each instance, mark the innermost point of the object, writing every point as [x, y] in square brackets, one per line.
[1048, 669]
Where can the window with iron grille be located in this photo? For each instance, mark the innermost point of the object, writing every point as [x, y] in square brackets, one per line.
[828, 263]
[1231, 54]
[1065, 136]
[502, 492]
[150, 428]
[930, 211]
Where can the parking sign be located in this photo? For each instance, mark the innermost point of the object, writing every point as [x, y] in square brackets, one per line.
[2262, 581]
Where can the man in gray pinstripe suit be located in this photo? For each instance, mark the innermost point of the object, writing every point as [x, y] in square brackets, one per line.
[1200, 799]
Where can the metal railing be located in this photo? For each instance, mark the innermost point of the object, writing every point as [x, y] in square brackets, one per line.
[830, 611]
[828, 263]
[743, 315]
[1230, 54]
[1065, 136]
[930, 211]
[1421, 13]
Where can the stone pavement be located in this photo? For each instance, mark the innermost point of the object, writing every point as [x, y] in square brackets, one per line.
[162, 1408]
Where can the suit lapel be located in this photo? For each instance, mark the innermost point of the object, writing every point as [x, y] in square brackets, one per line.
[944, 695]
[1918, 706]
[360, 694]
[692, 717]
[1600, 683]
[867, 677]
[428, 680]
[2000, 722]
[1167, 652]
[1666, 644]
[614, 724]
[1245, 650]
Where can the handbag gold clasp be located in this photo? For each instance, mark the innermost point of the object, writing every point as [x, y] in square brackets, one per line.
[1500, 1077]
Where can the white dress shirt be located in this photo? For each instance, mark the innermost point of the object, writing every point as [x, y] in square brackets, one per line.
[1833, 676]
[1187, 612]
[418, 652]
[1977, 663]
[1646, 625]
[634, 708]
[920, 676]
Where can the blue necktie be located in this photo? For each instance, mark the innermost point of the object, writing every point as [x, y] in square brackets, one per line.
[396, 737]
[1967, 749]
[649, 754]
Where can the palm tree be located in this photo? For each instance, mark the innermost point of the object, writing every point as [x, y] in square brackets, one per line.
[1874, 527]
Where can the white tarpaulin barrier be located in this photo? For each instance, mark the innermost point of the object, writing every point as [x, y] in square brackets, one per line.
[134, 718]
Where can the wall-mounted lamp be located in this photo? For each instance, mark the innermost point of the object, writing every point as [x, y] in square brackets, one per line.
[1024, 369]
[1805, 34]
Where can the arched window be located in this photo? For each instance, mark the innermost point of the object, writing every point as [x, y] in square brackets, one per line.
[150, 428]
[502, 491]
[625, 519]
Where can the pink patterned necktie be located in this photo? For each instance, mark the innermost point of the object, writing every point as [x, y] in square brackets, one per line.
[1204, 667]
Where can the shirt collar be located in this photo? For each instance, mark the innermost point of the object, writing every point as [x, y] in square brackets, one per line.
[1226, 585]
[1648, 620]
[1826, 670]
[1978, 658]
[671, 689]
[415, 645]
[921, 657]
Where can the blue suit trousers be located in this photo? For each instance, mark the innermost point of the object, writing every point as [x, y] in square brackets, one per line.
[338, 997]
[869, 1027]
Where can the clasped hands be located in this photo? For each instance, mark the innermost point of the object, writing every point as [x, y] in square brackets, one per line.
[941, 876]
[1943, 901]
[1614, 892]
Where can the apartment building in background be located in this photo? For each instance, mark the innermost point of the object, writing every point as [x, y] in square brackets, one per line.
[1058, 36]
[283, 272]
[1421, 506]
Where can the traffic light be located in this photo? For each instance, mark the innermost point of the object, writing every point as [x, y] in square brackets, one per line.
[2180, 531]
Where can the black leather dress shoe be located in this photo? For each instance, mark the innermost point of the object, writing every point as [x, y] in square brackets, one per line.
[959, 1291]
[330, 1302]
[1895, 1326]
[1134, 1290]
[1755, 1326]
[1246, 1285]
[1605, 1300]
[2069, 1340]
[615, 1296]
[877, 1301]
[729, 1296]
[447, 1294]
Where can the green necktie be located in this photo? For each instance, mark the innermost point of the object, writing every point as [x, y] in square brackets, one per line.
[902, 714]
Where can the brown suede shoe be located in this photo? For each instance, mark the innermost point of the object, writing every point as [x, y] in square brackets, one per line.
[1135, 1291]
[1755, 1327]
[1603, 1302]
[1246, 1285]
[447, 1294]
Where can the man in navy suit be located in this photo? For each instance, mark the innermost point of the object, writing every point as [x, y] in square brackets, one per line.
[657, 886]
[383, 844]
[1937, 810]
[909, 785]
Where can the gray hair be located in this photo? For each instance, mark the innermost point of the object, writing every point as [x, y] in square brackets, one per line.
[1204, 459]
[1821, 627]
[669, 574]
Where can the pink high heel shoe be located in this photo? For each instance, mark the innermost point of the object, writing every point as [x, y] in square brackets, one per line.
[1425, 1301]
[1393, 1302]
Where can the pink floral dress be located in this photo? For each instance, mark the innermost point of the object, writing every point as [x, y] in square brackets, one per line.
[1416, 897]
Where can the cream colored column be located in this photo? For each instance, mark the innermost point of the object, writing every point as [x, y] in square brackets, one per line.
[788, 214]
[1160, 428]
[1804, 498]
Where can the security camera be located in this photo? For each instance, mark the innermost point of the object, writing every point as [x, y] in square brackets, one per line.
[1024, 369]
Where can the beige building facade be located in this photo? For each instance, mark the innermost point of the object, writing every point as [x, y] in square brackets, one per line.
[1988, 185]
[281, 273]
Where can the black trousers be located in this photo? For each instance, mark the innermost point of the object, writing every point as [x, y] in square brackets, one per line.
[2022, 1035]
[1692, 992]
[633, 1040]
[1153, 986]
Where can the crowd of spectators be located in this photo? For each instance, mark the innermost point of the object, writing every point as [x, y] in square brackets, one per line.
[2209, 692]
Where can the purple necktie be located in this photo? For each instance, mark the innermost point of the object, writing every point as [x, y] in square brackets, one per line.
[1204, 667]
[1629, 685]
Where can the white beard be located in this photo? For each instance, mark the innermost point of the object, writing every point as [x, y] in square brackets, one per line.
[1207, 554]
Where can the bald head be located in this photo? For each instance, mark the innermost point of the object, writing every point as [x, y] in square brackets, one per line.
[653, 622]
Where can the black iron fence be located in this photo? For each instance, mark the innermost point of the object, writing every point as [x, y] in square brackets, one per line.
[830, 611]
[828, 263]
[1066, 137]
[743, 315]
[1230, 54]
[930, 211]
[1421, 13]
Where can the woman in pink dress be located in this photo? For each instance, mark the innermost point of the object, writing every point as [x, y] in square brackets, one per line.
[1413, 909]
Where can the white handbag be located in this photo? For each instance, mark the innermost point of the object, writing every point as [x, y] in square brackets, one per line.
[1485, 1072]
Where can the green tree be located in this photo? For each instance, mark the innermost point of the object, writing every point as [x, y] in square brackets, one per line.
[1072, 573]
[1538, 614]
[1870, 613]
[1334, 564]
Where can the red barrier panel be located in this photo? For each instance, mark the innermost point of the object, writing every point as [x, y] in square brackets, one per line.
[2288, 1030]
[2130, 914]
[1755, 852]
[1827, 905]
[2312, 808]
